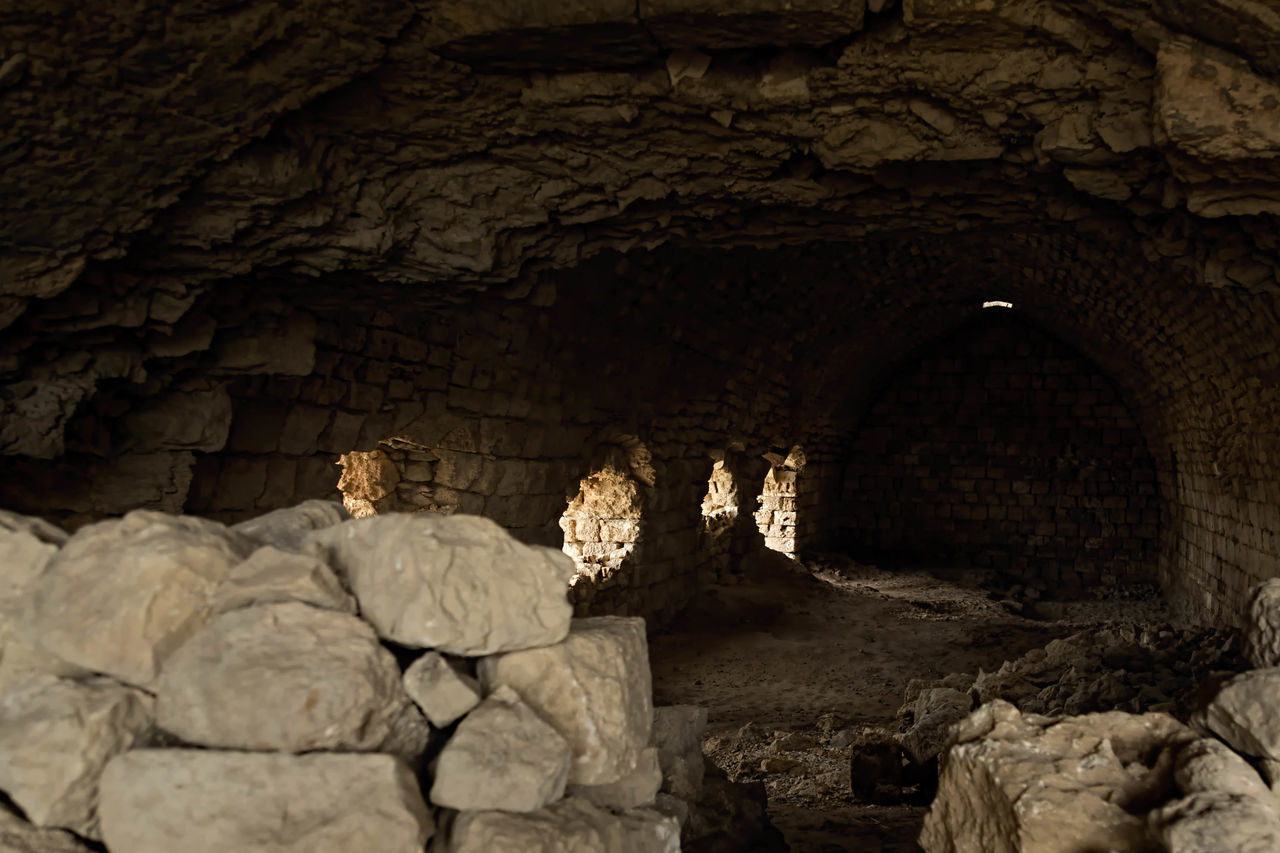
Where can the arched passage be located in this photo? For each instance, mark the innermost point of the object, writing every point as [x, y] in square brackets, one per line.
[1000, 446]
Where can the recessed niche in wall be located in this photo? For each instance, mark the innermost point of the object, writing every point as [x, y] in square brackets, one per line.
[776, 517]
[602, 522]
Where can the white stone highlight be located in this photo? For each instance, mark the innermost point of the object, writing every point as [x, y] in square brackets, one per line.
[502, 756]
[199, 801]
[55, 738]
[441, 688]
[121, 595]
[1244, 713]
[287, 677]
[637, 789]
[594, 688]
[458, 584]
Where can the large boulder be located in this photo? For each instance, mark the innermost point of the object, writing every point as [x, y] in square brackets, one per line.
[1029, 784]
[594, 688]
[1262, 626]
[677, 735]
[1243, 713]
[271, 575]
[122, 594]
[458, 584]
[441, 688]
[569, 826]
[1210, 765]
[289, 528]
[502, 756]
[935, 711]
[56, 737]
[1215, 822]
[287, 677]
[198, 801]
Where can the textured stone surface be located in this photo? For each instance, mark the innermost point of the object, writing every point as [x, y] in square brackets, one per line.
[594, 688]
[441, 688]
[458, 584]
[935, 712]
[1212, 821]
[213, 802]
[568, 826]
[287, 528]
[1262, 625]
[1243, 713]
[677, 734]
[1014, 784]
[19, 836]
[501, 756]
[1208, 765]
[287, 676]
[121, 595]
[634, 790]
[55, 739]
[271, 575]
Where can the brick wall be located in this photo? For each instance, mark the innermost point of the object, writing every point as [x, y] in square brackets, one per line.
[1002, 447]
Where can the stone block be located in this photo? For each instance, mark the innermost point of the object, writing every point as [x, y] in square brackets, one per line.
[272, 576]
[458, 584]
[568, 826]
[1244, 713]
[287, 677]
[634, 790]
[441, 688]
[677, 735]
[594, 688]
[502, 756]
[121, 595]
[200, 801]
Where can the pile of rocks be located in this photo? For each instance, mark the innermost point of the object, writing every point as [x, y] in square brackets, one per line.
[304, 681]
[1014, 781]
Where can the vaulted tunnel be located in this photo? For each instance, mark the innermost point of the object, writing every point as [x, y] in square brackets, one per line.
[677, 287]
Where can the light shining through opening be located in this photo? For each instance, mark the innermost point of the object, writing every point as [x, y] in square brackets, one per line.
[997, 304]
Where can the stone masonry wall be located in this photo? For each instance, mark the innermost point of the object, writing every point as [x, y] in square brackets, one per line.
[1001, 447]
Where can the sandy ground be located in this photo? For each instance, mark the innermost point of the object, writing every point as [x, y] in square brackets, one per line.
[825, 648]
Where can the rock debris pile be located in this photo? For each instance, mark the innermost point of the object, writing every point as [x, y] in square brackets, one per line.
[304, 681]
[1022, 782]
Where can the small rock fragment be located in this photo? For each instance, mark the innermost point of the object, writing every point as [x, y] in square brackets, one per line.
[271, 575]
[677, 734]
[440, 688]
[288, 528]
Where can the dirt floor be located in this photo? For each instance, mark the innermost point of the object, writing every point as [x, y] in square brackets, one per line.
[798, 660]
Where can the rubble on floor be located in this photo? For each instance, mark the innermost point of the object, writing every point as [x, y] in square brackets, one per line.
[188, 686]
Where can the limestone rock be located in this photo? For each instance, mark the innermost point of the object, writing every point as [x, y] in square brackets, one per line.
[122, 594]
[55, 739]
[288, 528]
[1244, 713]
[502, 756]
[459, 584]
[1262, 626]
[281, 676]
[19, 836]
[1215, 821]
[440, 688]
[271, 575]
[935, 712]
[568, 826]
[594, 688]
[1209, 765]
[635, 790]
[199, 801]
[677, 734]
[1027, 784]
[411, 737]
